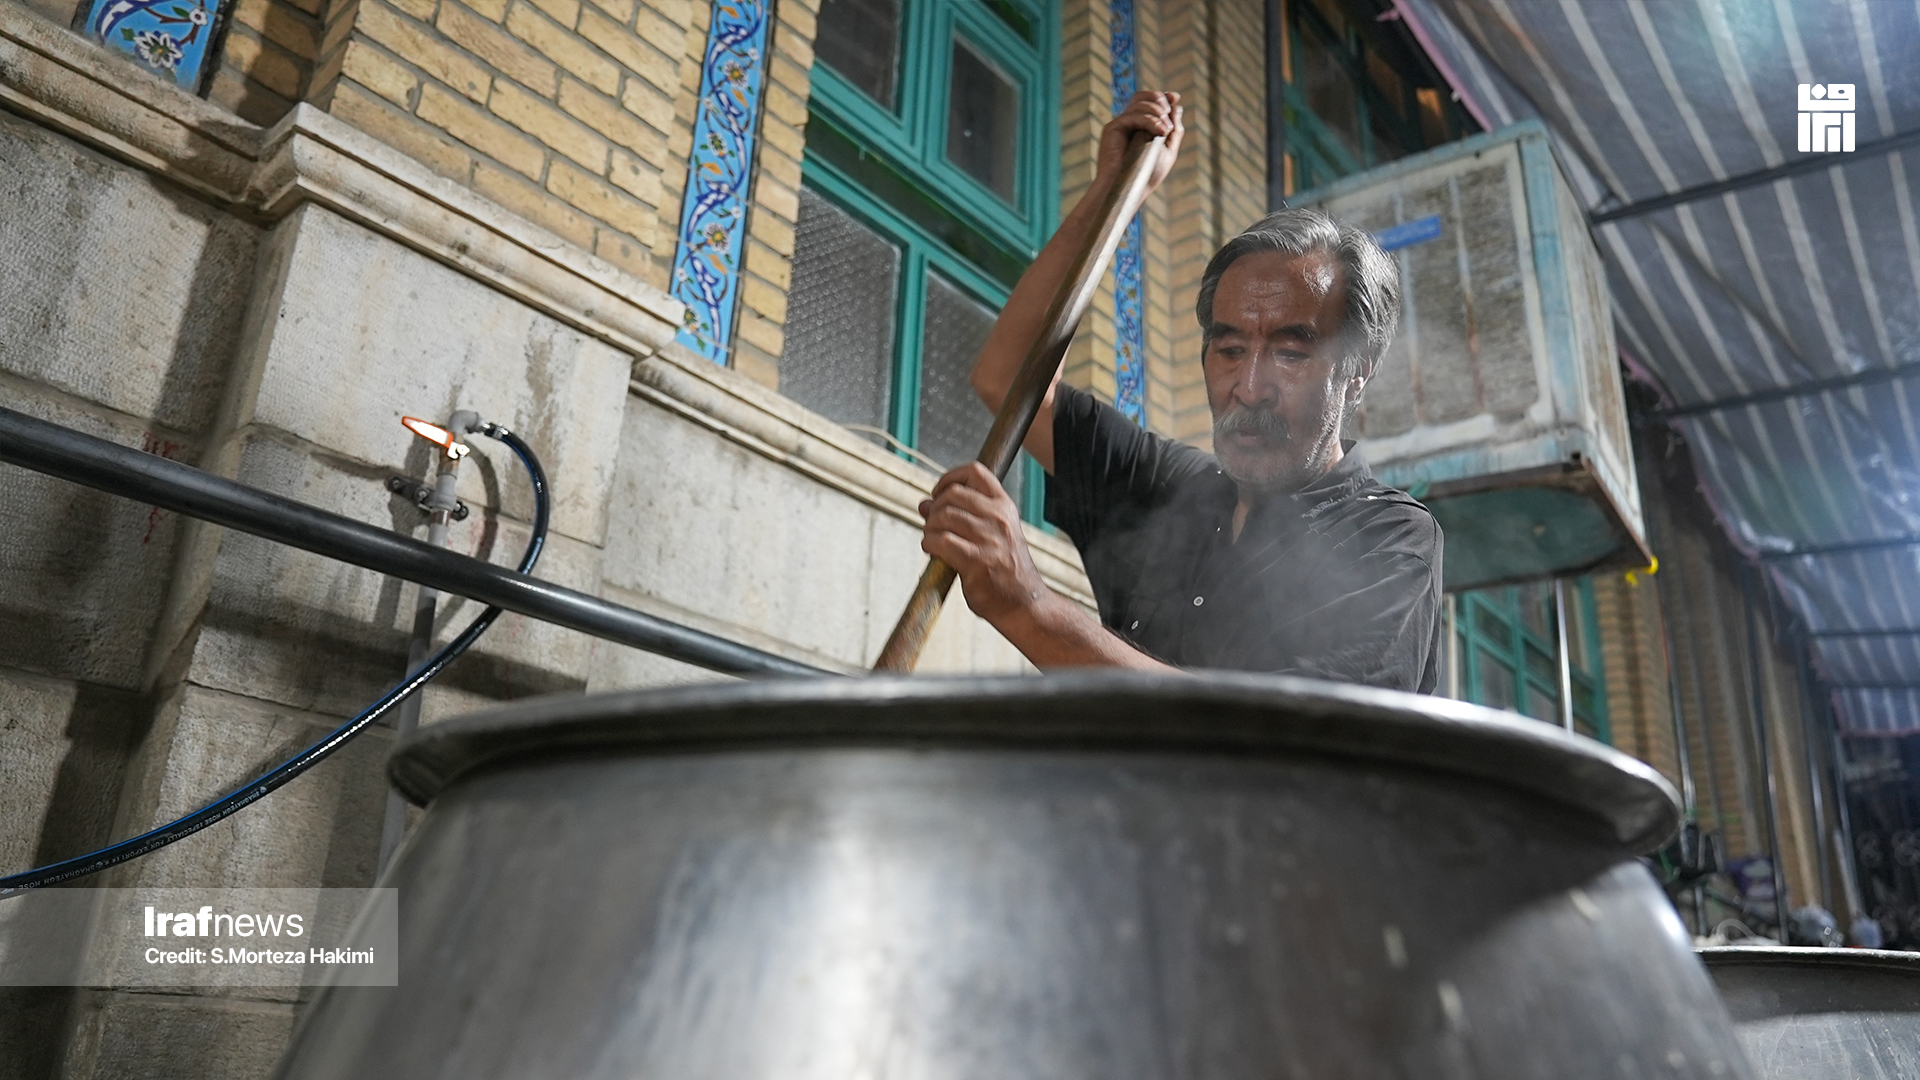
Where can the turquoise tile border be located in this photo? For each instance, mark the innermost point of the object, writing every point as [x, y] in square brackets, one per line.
[171, 38]
[713, 221]
[1130, 351]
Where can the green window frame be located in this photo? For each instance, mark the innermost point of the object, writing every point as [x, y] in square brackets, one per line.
[1505, 637]
[1018, 37]
[1373, 61]
[888, 168]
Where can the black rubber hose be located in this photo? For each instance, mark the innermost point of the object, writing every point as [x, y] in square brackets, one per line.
[233, 802]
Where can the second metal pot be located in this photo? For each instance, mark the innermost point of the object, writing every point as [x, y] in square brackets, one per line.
[1822, 1014]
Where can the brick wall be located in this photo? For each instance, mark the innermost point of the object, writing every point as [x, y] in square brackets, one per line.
[1238, 103]
[268, 57]
[268, 60]
[1086, 104]
[1157, 314]
[1633, 655]
[1217, 187]
[563, 111]
[1212, 56]
[1706, 609]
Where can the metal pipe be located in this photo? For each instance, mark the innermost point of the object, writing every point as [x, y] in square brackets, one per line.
[1845, 547]
[1452, 645]
[1697, 681]
[1566, 661]
[1809, 719]
[1812, 163]
[1689, 791]
[148, 478]
[1787, 393]
[1684, 753]
[440, 506]
[1849, 873]
[1781, 906]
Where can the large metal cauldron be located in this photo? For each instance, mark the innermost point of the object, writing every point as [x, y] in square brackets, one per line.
[1823, 1014]
[1099, 876]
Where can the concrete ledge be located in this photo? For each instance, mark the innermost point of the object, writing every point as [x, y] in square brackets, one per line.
[55, 76]
[747, 413]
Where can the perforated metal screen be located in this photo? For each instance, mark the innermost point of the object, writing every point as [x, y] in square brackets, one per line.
[953, 422]
[840, 316]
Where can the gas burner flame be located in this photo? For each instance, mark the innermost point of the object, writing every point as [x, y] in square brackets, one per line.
[436, 435]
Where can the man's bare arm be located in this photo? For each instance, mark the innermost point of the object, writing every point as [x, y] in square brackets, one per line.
[1055, 632]
[1022, 320]
[974, 527]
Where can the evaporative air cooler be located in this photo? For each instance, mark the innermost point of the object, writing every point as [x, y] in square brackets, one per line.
[1499, 404]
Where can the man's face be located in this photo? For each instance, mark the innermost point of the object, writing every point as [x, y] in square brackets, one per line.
[1273, 369]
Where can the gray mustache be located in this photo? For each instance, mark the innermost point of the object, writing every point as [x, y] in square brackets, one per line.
[1245, 421]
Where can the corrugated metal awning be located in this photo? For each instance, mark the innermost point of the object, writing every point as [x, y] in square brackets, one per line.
[1773, 294]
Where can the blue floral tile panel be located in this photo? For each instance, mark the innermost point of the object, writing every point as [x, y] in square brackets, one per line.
[706, 266]
[171, 38]
[1130, 359]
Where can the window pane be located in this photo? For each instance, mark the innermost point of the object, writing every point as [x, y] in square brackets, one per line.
[1541, 705]
[953, 423]
[839, 355]
[1493, 626]
[1542, 667]
[1496, 681]
[860, 39]
[1386, 110]
[1536, 608]
[1582, 698]
[1329, 89]
[983, 120]
[1433, 118]
[1577, 645]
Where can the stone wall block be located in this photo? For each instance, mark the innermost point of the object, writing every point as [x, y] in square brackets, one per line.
[370, 331]
[320, 831]
[961, 642]
[83, 574]
[519, 655]
[618, 667]
[309, 632]
[119, 288]
[123, 1034]
[707, 525]
[63, 749]
[296, 628]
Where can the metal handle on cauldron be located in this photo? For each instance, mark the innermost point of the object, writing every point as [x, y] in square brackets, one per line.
[1030, 385]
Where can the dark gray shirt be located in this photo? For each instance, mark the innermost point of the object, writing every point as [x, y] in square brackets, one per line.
[1340, 580]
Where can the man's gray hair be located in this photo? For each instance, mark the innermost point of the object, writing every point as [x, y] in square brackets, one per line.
[1372, 278]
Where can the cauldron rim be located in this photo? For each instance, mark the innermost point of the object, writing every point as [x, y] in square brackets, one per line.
[1213, 712]
[1764, 982]
[1730, 956]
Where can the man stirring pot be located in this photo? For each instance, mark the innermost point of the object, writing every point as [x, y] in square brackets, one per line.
[1278, 552]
